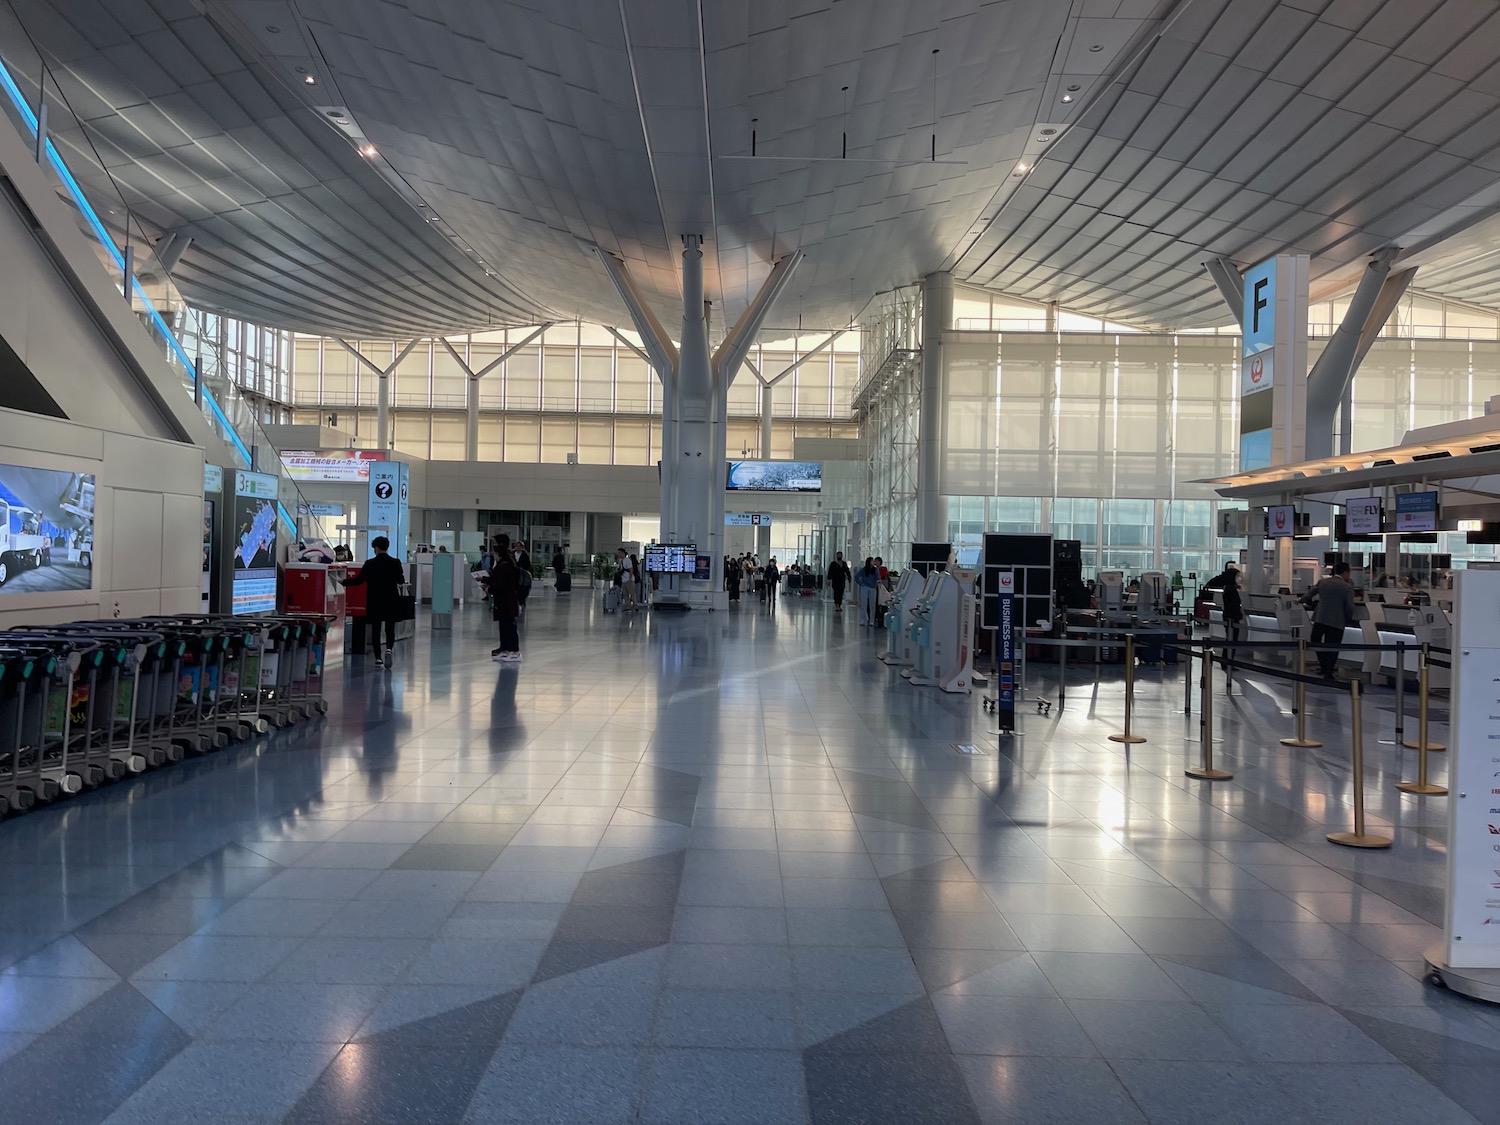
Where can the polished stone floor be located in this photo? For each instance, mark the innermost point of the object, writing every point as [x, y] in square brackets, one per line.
[729, 869]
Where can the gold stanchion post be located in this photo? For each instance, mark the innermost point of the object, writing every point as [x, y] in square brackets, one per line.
[1301, 739]
[1424, 681]
[1206, 771]
[1127, 737]
[1359, 838]
[1422, 785]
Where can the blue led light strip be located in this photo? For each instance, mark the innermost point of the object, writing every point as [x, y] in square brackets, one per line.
[87, 210]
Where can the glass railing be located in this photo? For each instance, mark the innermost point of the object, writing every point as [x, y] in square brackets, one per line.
[154, 298]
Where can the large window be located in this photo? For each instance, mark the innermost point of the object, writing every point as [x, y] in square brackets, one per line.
[577, 389]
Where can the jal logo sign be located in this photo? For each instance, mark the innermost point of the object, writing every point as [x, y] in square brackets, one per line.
[1281, 521]
[1256, 374]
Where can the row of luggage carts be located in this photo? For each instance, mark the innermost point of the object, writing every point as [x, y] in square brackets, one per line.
[91, 702]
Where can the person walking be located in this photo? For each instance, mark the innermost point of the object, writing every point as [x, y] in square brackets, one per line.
[628, 579]
[382, 576]
[1333, 612]
[773, 580]
[866, 579]
[504, 586]
[838, 578]
[1234, 616]
[732, 576]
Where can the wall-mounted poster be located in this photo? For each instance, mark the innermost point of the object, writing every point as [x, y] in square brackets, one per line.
[46, 530]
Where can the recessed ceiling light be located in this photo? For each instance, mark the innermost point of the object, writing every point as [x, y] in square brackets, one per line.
[273, 29]
[335, 113]
[1075, 87]
[310, 80]
[1021, 169]
[1097, 47]
[1067, 98]
[1049, 132]
[368, 150]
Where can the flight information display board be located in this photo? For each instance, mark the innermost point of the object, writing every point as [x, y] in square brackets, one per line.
[671, 558]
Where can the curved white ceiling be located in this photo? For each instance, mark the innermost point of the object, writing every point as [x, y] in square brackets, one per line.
[507, 138]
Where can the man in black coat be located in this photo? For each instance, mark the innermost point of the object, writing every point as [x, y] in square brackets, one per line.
[383, 576]
[838, 578]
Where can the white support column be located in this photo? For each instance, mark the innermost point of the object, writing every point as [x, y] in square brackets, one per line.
[937, 317]
[767, 405]
[471, 427]
[471, 432]
[383, 401]
[695, 398]
[383, 411]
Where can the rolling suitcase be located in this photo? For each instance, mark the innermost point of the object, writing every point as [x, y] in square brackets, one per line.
[564, 582]
[612, 600]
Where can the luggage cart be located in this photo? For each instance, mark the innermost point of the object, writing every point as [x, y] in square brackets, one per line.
[71, 742]
[144, 701]
[195, 706]
[24, 689]
[306, 690]
[231, 710]
[279, 637]
[110, 730]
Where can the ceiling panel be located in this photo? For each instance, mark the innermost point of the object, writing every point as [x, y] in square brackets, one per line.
[530, 132]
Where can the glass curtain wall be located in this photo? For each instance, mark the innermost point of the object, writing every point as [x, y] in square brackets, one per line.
[256, 359]
[574, 390]
[1101, 437]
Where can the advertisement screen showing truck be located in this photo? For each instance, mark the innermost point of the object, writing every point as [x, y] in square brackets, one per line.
[46, 530]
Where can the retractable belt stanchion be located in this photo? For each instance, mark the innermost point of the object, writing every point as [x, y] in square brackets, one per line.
[1127, 737]
[1423, 683]
[1400, 736]
[1422, 785]
[1359, 838]
[1301, 739]
[1206, 771]
[1187, 678]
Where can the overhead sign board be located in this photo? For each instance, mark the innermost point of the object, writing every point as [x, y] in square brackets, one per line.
[320, 510]
[1362, 515]
[1417, 512]
[1273, 358]
[348, 466]
[1260, 307]
[747, 519]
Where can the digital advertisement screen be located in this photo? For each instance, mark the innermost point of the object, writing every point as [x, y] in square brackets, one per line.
[208, 552]
[46, 530]
[254, 542]
[671, 558]
[775, 476]
[1416, 512]
[347, 466]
